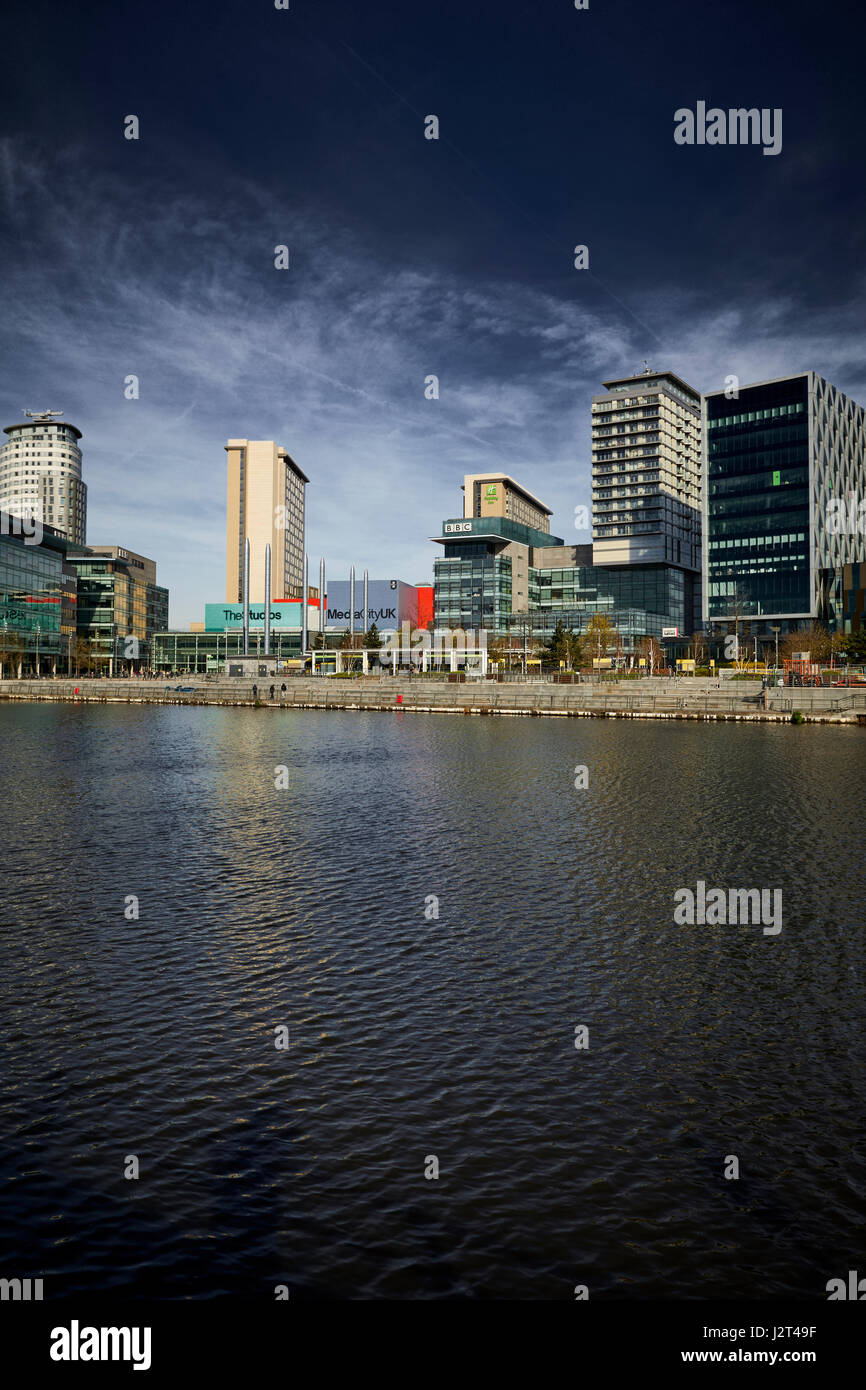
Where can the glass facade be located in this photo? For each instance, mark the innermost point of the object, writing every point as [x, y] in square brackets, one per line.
[208, 651]
[116, 603]
[640, 600]
[658, 589]
[758, 532]
[34, 602]
[473, 587]
[484, 565]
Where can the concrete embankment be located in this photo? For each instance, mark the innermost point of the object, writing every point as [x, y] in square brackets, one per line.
[644, 699]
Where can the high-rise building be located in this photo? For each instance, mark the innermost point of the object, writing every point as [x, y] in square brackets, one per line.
[508, 576]
[40, 474]
[495, 494]
[647, 472]
[784, 505]
[266, 491]
[483, 576]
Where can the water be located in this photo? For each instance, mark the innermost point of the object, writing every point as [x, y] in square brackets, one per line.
[413, 1036]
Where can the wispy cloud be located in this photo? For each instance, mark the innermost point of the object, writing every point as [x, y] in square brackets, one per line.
[104, 280]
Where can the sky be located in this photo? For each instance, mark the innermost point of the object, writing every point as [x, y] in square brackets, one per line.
[305, 127]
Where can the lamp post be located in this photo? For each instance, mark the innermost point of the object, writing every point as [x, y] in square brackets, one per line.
[38, 632]
[776, 630]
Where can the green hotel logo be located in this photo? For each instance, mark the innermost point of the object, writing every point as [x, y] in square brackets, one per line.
[491, 493]
[777, 479]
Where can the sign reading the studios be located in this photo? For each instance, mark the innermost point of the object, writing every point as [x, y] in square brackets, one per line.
[218, 616]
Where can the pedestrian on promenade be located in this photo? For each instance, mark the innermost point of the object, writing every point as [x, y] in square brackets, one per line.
[255, 692]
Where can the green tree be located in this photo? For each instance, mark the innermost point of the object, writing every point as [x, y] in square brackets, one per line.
[346, 641]
[372, 638]
[565, 646]
[853, 645]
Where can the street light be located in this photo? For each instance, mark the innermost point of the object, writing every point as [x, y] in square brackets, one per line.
[38, 631]
[776, 629]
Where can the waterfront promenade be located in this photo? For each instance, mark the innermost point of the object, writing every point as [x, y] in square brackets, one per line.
[646, 698]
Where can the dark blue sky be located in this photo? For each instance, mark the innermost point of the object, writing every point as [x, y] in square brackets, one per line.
[408, 256]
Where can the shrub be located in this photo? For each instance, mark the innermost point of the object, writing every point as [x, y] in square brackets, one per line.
[797, 717]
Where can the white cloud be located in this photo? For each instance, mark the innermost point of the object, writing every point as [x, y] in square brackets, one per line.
[329, 358]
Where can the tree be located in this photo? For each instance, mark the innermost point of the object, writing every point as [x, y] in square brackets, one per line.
[497, 648]
[564, 645]
[83, 655]
[575, 650]
[699, 648]
[11, 651]
[598, 636]
[346, 641]
[650, 649]
[810, 637]
[853, 645]
[372, 638]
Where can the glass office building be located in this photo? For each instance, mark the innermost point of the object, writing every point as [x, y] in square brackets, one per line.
[758, 527]
[474, 585]
[640, 600]
[784, 459]
[485, 563]
[118, 600]
[37, 601]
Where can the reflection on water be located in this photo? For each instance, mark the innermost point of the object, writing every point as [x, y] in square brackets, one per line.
[412, 1035]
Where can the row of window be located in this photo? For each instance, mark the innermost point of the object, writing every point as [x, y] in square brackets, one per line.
[748, 417]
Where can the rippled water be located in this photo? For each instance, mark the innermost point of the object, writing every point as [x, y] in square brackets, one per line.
[413, 1036]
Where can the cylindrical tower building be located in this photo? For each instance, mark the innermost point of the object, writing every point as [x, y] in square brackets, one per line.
[40, 473]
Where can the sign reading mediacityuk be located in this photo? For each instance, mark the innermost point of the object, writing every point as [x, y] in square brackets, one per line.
[390, 602]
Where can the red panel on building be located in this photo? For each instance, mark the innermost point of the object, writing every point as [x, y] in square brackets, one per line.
[425, 605]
